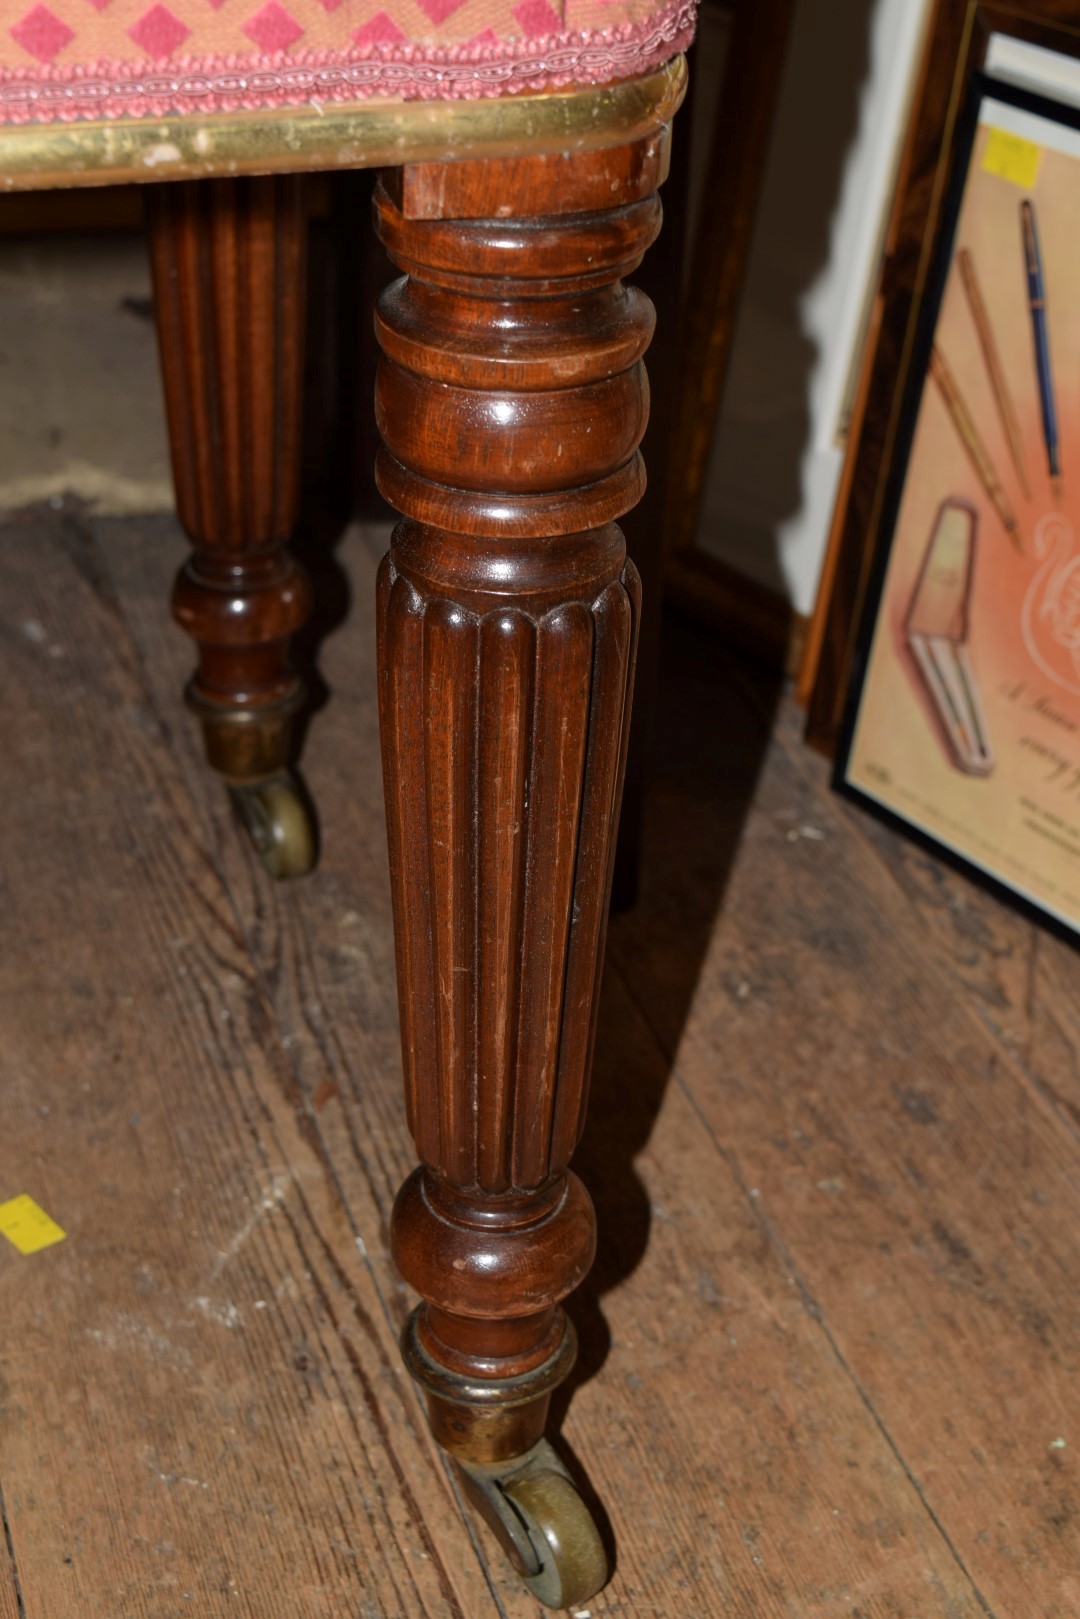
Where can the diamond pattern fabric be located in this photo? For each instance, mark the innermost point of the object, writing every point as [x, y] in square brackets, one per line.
[68, 59]
[159, 32]
[42, 33]
[273, 28]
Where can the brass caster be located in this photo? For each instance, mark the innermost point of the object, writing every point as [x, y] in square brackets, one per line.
[533, 1506]
[278, 822]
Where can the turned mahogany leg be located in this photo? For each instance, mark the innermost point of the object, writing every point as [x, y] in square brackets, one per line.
[511, 399]
[228, 259]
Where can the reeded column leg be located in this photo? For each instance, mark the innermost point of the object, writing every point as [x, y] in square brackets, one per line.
[228, 259]
[511, 400]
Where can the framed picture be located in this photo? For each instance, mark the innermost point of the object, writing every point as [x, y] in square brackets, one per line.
[1032, 43]
[963, 712]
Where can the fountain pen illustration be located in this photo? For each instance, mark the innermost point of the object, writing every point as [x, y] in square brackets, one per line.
[1037, 304]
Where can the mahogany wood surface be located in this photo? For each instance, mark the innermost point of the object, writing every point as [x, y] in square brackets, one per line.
[228, 259]
[829, 1342]
[752, 619]
[660, 277]
[738, 152]
[553, 183]
[856, 1394]
[511, 399]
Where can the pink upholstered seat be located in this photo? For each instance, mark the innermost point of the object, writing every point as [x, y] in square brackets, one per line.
[65, 59]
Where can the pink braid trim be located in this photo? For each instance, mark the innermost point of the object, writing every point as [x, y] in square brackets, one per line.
[406, 72]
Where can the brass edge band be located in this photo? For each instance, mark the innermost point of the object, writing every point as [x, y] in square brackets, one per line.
[505, 1393]
[350, 135]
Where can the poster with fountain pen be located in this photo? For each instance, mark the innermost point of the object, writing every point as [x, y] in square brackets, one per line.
[964, 716]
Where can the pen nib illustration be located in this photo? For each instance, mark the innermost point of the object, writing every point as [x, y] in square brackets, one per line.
[968, 433]
[995, 370]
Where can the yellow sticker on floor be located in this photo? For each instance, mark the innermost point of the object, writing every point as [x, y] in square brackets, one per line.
[1011, 157]
[25, 1223]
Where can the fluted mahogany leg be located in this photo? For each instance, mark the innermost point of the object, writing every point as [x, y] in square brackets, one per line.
[511, 400]
[228, 259]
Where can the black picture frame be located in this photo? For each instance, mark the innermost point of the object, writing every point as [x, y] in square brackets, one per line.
[981, 86]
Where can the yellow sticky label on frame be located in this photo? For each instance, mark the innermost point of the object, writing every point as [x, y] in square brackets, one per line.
[25, 1224]
[1011, 157]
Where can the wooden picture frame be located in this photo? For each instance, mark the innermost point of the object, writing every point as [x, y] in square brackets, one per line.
[957, 44]
[962, 723]
[749, 615]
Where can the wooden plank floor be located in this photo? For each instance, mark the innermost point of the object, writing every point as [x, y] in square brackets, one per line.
[830, 1347]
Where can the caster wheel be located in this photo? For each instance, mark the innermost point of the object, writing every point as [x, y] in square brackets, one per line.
[278, 822]
[533, 1506]
[573, 1563]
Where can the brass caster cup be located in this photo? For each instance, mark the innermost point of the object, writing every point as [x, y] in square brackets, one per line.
[247, 745]
[532, 1505]
[278, 821]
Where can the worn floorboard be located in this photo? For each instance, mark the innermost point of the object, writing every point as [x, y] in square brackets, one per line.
[829, 1344]
[919, 1180]
[10, 1595]
[202, 1400]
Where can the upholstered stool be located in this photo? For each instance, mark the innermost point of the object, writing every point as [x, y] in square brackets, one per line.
[521, 144]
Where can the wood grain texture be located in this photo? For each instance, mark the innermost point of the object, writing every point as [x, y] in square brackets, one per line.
[556, 183]
[205, 1235]
[228, 259]
[11, 1604]
[817, 628]
[741, 131]
[918, 1185]
[511, 399]
[660, 277]
[774, 1397]
[752, 619]
[749, 1463]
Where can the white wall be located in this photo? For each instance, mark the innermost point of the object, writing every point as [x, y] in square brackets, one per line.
[813, 263]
